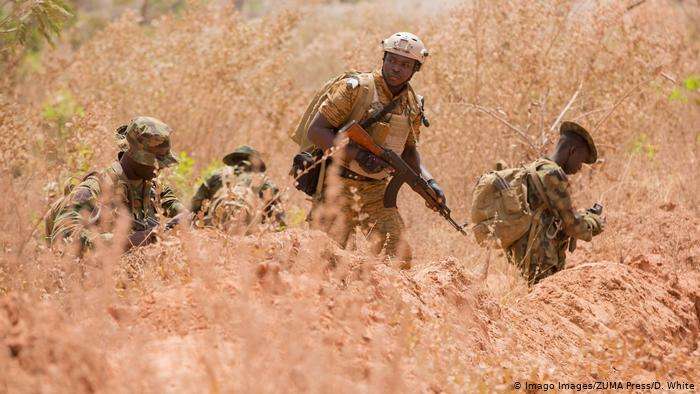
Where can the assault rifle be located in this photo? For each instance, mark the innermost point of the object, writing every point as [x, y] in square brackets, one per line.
[150, 223]
[403, 173]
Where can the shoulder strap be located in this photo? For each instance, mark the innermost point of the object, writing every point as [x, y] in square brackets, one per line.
[367, 95]
[385, 110]
[539, 187]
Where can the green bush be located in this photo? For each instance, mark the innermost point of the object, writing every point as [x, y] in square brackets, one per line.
[61, 110]
[642, 146]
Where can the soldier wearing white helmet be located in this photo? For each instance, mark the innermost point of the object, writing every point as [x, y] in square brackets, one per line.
[406, 45]
[357, 96]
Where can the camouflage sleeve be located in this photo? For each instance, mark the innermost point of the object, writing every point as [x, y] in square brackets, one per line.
[557, 189]
[414, 135]
[73, 220]
[415, 116]
[274, 210]
[169, 202]
[206, 191]
[340, 100]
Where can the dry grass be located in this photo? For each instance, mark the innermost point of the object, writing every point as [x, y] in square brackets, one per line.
[289, 311]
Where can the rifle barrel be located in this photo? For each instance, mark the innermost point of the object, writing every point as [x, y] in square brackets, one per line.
[355, 132]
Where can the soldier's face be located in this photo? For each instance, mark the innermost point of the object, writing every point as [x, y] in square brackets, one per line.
[577, 155]
[397, 70]
[145, 172]
[140, 171]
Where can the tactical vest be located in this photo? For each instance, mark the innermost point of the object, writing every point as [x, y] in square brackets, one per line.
[141, 197]
[391, 134]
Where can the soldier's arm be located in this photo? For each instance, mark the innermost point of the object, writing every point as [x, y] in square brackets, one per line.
[270, 195]
[410, 153]
[557, 189]
[268, 190]
[412, 157]
[169, 202]
[205, 192]
[334, 112]
[73, 221]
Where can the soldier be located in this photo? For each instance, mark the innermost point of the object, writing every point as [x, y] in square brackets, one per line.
[556, 225]
[131, 184]
[363, 176]
[232, 195]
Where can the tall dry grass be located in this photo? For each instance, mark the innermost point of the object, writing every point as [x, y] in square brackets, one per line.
[290, 311]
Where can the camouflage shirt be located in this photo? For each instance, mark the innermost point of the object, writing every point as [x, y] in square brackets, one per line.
[343, 95]
[84, 208]
[556, 188]
[542, 252]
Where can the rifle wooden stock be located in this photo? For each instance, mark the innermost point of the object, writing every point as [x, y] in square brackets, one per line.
[356, 133]
[403, 173]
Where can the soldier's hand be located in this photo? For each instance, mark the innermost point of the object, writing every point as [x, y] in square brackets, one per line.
[442, 200]
[369, 162]
[596, 222]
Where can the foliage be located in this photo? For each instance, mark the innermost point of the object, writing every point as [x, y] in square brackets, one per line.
[692, 83]
[60, 110]
[181, 175]
[26, 22]
[642, 145]
[296, 216]
[690, 86]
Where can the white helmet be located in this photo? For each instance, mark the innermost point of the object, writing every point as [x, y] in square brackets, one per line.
[406, 44]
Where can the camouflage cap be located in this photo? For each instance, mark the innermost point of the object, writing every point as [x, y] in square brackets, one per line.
[247, 153]
[572, 127]
[120, 136]
[149, 142]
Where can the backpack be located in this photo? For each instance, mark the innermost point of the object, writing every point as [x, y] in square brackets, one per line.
[232, 204]
[308, 168]
[500, 211]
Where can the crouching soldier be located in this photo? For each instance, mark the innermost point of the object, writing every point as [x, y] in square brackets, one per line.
[238, 194]
[528, 211]
[128, 186]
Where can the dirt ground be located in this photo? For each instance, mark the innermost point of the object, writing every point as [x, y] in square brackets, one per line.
[279, 310]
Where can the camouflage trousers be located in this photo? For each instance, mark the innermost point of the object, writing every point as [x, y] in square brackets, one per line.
[349, 204]
[546, 256]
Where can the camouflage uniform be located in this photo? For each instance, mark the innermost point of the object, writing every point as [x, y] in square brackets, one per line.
[99, 198]
[232, 195]
[551, 232]
[360, 202]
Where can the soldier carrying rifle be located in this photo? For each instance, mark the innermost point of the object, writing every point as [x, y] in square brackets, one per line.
[384, 103]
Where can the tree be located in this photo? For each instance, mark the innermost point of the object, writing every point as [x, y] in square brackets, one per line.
[28, 23]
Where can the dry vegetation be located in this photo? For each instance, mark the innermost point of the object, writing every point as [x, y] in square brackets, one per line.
[204, 311]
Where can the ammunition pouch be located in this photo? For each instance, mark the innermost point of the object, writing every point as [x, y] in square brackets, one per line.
[306, 170]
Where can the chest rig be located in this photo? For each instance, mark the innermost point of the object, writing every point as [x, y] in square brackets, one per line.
[391, 132]
[140, 197]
